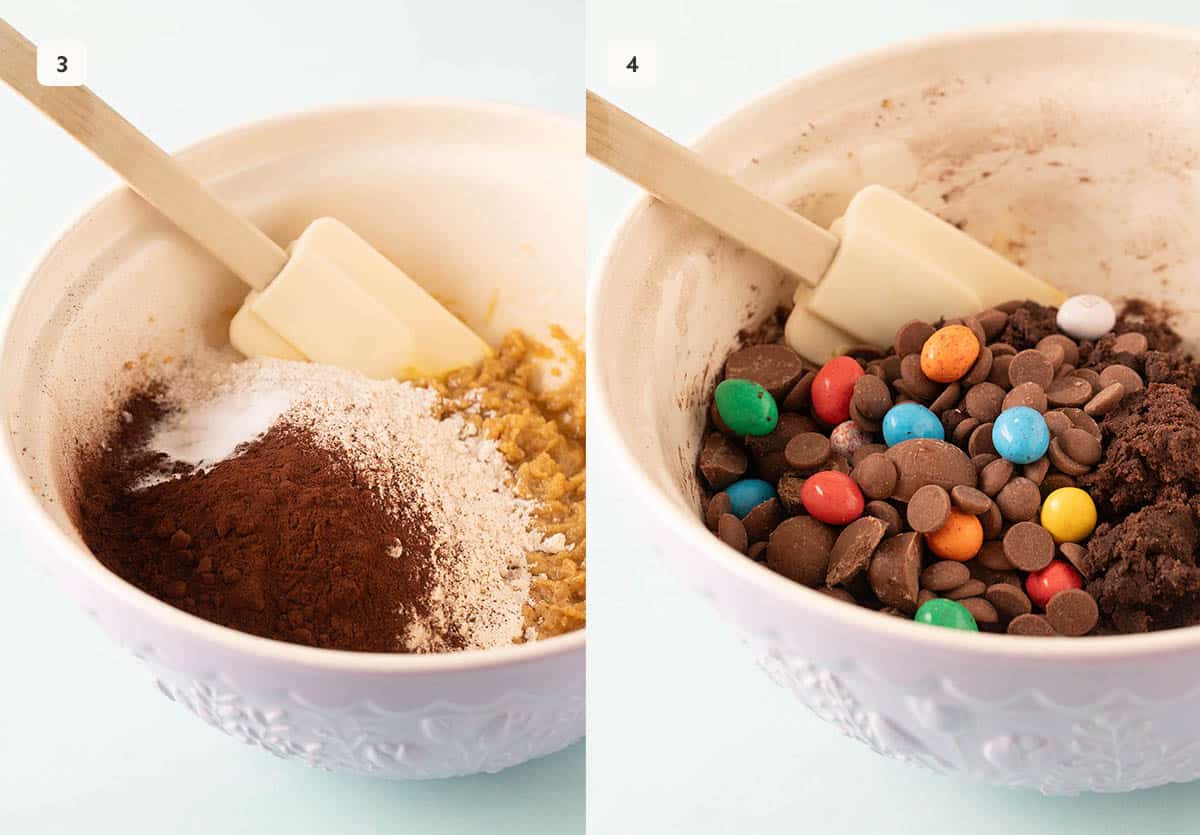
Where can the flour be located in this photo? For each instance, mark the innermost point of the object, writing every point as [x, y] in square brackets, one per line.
[480, 529]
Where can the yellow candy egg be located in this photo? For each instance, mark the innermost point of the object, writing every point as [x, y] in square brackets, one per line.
[1069, 514]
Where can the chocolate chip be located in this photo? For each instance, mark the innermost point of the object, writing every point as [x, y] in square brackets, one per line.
[992, 321]
[992, 522]
[767, 450]
[807, 451]
[1020, 500]
[1083, 421]
[1090, 376]
[1064, 462]
[984, 612]
[799, 549]
[981, 440]
[1073, 612]
[1106, 400]
[911, 337]
[1000, 367]
[798, 398]
[971, 588]
[864, 423]
[964, 429]
[1131, 342]
[732, 532]
[1074, 553]
[983, 401]
[889, 368]
[722, 461]
[922, 461]
[1123, 374]
[1010, 601]
[1057, 423]
[1026, 394]
[888, 514]
[1069, 347]
[972, 322]
[872, 397]
[924, 596]
[1055, 481]
[788, 488]
[969, 500]
[981, 370]
[1032, 626]
[758, 552]
[1062, 371]
[717, 505]
[948, 399]
[774, 366]
[1069, 391]
[995, 475]
[1028, 546]
[1036, 471]
[1002, 349]
[982, 460]
[944, 575]
[915, 380]
[1053, 352]
[853, 549]
[876, 476]
[991, 556]
[864, 451]
[838, 594]
[928, 509]
[1080, 446]
[762, 519]
[991, 577]
[1031, 366]
[895, 570]
[720, 423]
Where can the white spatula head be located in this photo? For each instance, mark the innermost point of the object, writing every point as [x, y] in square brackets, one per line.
[339, 301]
[897, 262]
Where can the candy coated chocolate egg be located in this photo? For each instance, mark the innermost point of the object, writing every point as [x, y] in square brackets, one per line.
[1069, 514]
[1058, 576]
[949, 614]
[949, 354]
[747, 494]
[906, 421]
[832, 389]
[746, 407]
[959, 539]
[1086, 317]
[1020, 435]
[847, 439]
[832, 497]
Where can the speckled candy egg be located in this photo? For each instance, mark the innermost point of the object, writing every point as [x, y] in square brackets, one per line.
[1086, 317]
[1020, 435]
[906, 421]
[846, 438]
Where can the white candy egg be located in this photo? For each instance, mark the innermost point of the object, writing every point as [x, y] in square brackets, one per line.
[1086, 317]
[846, 438]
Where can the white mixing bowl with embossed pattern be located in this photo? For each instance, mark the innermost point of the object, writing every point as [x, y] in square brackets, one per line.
[1069, 148]
[485, 204]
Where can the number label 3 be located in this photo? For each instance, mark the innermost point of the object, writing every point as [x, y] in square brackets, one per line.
[61, 63]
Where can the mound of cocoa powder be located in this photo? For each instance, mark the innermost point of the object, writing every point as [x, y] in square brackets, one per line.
[291, 539]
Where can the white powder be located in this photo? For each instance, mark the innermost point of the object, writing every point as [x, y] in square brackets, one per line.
[481, 530]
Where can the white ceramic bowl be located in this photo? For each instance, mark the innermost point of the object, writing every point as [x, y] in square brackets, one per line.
[1071, 148]
[485, 204]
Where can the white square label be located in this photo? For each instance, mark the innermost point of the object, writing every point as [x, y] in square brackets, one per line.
[61, 64]
[632, 64]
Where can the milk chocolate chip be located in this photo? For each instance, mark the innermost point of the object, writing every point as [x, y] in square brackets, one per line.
[733, 533]
[775, 367]
[928, 509]
[922, 461]
[722, 461]
[876, 476]
[799, 549]
[1031, 625]
[1073, 612]
[1028, 546]
[895, 571]
[853, 549]
[871, 397]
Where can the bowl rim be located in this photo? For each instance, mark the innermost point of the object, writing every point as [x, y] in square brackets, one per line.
[703, 545]
[80, 559]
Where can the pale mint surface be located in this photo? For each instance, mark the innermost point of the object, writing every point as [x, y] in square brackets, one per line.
[690, 736]
[87, 744]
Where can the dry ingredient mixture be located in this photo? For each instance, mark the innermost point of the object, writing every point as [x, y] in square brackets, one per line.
[310, 504]
[994, 473]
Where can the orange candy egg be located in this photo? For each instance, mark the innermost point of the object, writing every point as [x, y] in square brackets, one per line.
[949, 354]
[959, 539]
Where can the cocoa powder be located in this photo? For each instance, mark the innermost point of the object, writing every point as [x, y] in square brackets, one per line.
[283, 540]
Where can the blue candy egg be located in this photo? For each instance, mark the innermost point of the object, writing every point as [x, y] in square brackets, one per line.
[1020, 435]
[911, 420]
[744, 495]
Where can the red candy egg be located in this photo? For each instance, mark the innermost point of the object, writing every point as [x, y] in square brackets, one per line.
[832, 497]
[832, 389]
[1058, 576]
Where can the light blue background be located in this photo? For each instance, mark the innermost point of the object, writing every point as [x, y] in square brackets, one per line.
[86, 743]
[685, 733]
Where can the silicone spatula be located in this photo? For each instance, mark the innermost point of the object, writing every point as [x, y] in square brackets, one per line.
[330, 298]
[884, 262]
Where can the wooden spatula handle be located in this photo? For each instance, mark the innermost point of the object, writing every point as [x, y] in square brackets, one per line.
[677, 175]
[148, 169]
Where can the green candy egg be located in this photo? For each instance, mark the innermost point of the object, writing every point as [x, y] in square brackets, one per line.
[746, 407]
[948, 613]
